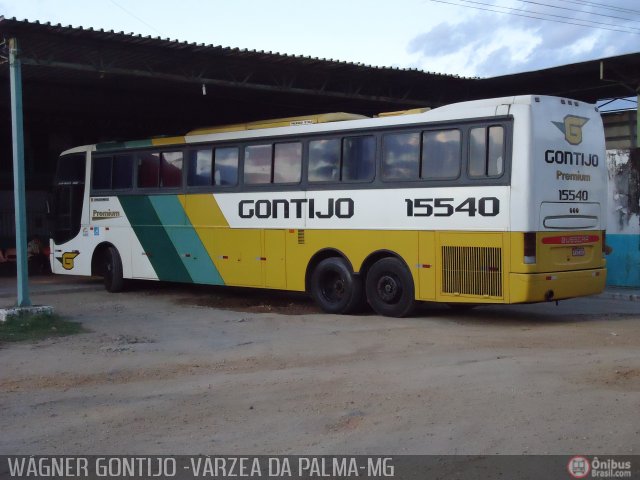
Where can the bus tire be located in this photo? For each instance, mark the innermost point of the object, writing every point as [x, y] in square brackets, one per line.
[335, 288]
[390, 289]
[112, 270]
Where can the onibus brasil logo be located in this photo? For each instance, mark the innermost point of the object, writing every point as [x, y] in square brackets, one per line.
[581, 467]
[571, 126]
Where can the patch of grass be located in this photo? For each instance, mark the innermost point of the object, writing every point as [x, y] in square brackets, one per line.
[36, 327]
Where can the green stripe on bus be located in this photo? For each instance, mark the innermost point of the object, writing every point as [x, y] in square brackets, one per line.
[101, 147]
[154, 239]
[138, 143]
[109, 146]
[185, 239]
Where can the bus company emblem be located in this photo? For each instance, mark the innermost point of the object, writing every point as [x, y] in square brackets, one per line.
[66, 260]
[572, 128]
[103, 215]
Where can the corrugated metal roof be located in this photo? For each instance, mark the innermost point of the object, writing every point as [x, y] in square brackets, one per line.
[15, 25]
[77, 54]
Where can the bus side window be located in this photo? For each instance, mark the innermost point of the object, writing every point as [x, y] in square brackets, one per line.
[358, 158]
[441, 154]
[401, 156]
[101, 173]
[257, 164]
[287, 162]
[171, 169]
[226, 166]
[495, 165]
[486, 151]
[324, 160]
[122, 172]
[148, 170]
[199, 168]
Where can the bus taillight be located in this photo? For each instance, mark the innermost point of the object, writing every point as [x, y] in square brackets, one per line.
[529, 247]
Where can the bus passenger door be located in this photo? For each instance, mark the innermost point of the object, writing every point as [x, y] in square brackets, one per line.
[274, 259]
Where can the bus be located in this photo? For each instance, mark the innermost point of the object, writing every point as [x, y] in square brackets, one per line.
[495, 201]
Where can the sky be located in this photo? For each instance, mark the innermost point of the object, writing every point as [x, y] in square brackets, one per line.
[470, 38]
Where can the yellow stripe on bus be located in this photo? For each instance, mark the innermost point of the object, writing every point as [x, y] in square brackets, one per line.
[167, 141]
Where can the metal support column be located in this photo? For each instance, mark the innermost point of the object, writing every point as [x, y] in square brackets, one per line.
[17, 139]
[638, 119]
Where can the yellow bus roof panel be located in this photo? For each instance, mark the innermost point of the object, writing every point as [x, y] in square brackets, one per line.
[413, 111]
[280, 122]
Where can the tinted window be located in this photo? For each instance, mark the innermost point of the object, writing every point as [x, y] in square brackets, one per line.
[148, 170]
[441, 154]
[401, 156]
[358, 158]
[486, 152]
[257, 164]
[287, 162]
[495, 165]
[199, 169]
[71, 169]
[122, 171]
[226, 166]
[324, 160]
[171, 169]
[101, 173]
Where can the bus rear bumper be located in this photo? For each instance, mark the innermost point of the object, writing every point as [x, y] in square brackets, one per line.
[541, 287]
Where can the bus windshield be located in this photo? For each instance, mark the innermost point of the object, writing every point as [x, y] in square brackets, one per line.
[71, 169]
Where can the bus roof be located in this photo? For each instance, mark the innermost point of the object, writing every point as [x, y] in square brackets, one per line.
[279, 122]
[321, 123]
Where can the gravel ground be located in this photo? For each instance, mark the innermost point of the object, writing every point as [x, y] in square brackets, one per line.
[181, 369]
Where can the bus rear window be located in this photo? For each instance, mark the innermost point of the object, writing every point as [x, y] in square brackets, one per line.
[486, 151]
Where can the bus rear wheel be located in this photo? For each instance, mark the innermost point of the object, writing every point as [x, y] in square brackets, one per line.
[112, 270]
[335, 288]
[390, 289]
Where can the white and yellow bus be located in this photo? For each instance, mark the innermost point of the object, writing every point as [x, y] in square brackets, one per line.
[481, 202]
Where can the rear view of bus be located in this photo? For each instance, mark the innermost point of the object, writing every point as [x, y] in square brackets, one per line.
[558, 200]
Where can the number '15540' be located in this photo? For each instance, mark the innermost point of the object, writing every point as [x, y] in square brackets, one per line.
[446, 207]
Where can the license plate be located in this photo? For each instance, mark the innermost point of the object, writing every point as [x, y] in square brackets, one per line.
[577, 252]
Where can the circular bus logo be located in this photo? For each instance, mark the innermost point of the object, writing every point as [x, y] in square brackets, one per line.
[579, 467]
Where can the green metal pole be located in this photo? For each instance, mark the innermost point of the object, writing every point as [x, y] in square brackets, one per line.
[17, 139]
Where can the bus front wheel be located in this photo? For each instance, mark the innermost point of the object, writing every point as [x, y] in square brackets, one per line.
[390, 289]
[334, 287]
[112, 270]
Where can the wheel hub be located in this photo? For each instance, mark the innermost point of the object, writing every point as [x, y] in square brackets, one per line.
[333, 287]
[388, 288]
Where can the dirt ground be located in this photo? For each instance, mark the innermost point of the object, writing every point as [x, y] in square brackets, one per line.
[182, 369]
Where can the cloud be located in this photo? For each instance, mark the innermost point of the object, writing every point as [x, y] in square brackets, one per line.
[486, 44]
